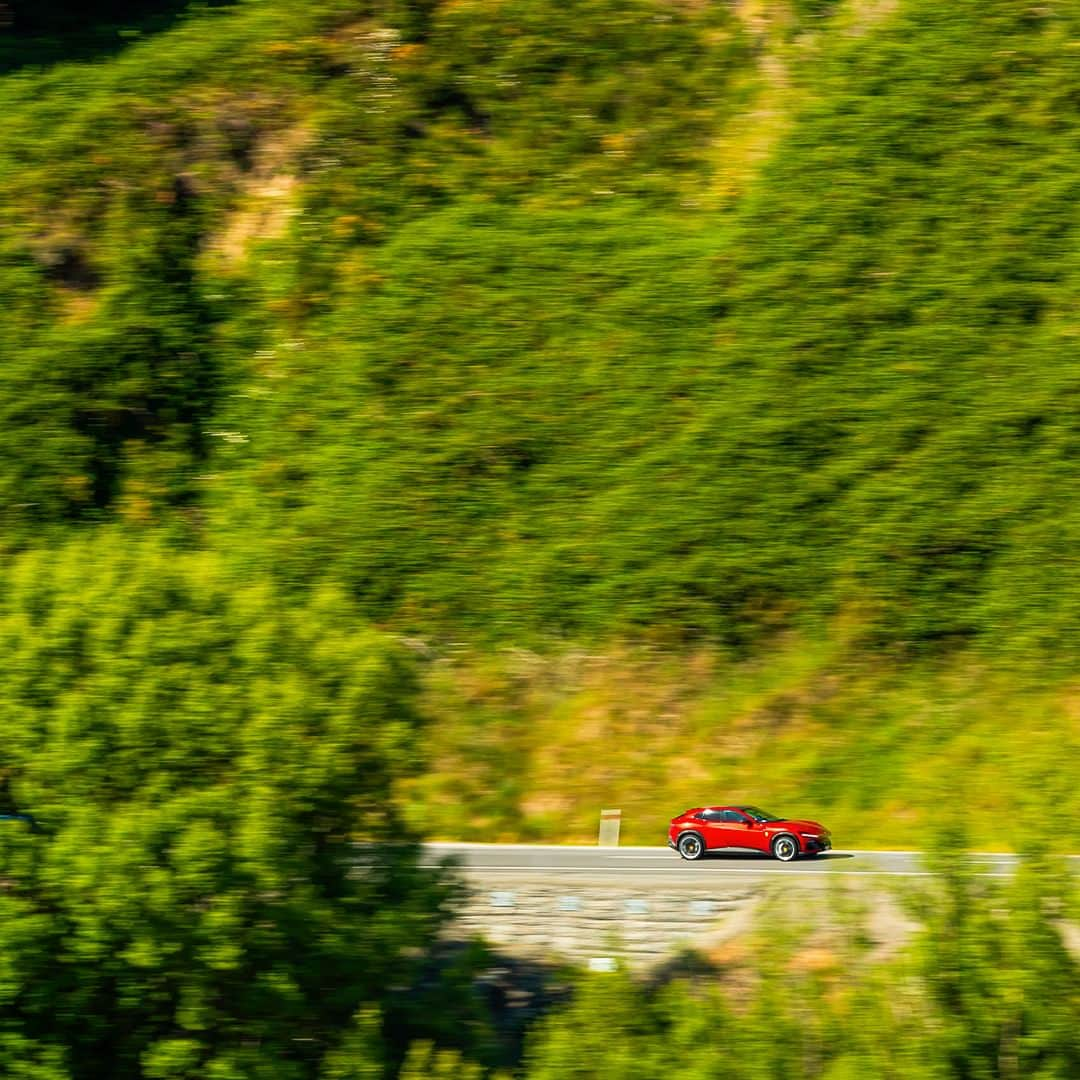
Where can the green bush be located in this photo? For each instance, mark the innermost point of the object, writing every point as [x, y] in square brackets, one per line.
[201, 758]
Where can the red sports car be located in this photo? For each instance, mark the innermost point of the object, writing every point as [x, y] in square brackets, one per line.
[711, 828]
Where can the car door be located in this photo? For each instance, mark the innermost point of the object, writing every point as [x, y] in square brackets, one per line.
[737, 830]
[712, 829]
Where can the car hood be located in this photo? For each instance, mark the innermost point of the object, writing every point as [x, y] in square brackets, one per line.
[798, 825]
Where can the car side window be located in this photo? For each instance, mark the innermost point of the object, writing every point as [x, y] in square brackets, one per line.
[734, 815]
[713, 815]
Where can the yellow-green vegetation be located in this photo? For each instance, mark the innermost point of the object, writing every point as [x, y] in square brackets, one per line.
[529, 747]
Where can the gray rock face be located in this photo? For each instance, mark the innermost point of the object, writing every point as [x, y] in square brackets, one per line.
[594, 923]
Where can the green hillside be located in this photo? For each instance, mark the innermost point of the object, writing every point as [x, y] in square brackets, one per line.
[653, 369]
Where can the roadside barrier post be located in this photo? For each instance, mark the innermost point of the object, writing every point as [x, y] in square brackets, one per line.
[609, 828]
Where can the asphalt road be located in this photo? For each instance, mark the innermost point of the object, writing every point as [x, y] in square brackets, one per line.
[493, 860]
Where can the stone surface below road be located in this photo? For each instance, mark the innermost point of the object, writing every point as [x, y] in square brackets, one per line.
[646, 922]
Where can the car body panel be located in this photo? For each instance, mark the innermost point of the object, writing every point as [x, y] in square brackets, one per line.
[731, 834]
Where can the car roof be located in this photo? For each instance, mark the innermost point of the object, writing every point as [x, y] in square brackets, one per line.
[714, 806]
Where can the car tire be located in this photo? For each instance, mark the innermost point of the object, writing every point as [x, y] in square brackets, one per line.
[785, 847]
[690, 846]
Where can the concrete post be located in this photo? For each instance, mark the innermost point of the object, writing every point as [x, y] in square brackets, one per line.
[609, 828]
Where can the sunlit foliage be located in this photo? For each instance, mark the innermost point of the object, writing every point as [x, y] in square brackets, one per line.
[199, 758]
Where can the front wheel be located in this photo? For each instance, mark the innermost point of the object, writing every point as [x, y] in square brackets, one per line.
[785, 848]
[691, 846]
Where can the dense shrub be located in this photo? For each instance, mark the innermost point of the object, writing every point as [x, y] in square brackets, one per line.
[200, 759]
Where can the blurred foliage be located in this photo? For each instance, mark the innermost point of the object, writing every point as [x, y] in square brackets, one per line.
[524, 746]
[434, 316]
[201, 759]
[572, 395]
[580, 402]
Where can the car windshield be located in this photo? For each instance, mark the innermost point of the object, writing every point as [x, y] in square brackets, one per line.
[758, 814]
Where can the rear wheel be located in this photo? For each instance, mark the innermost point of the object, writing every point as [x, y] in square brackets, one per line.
[691, 846]
[785, 848]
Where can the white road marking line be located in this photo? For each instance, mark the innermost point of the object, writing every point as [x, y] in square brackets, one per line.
[728, 870]
[666, 858]
[594, 848]
[662, 850]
